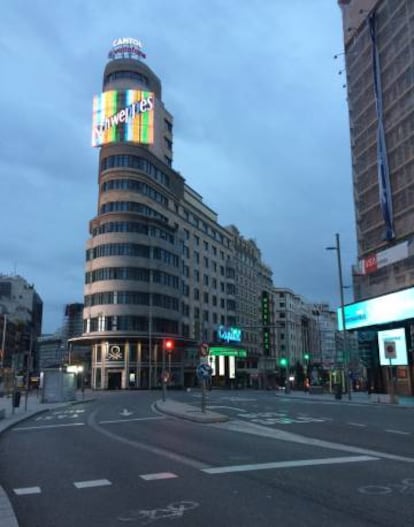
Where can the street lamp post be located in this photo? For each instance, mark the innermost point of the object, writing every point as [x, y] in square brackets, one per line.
[337, 248]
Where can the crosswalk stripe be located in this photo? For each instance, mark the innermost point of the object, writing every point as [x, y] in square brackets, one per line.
[92, 483]
[27, 490]
[159, 475]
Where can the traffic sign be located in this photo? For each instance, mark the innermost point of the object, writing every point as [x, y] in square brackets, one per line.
[390, 349]
[203, 349]
[203, 371]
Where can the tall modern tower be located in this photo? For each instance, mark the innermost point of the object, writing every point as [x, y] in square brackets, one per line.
[379, 60]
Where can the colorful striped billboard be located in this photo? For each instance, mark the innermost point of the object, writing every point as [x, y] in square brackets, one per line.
[123, 116]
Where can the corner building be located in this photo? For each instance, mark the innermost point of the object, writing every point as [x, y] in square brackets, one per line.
[379, 58]
[158, 264]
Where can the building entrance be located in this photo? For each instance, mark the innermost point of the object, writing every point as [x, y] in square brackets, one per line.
[114, 380]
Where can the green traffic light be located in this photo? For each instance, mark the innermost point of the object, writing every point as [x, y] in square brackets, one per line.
[283, 361]
[306, 356]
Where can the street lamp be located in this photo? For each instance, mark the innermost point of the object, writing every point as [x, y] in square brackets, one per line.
[337, 248]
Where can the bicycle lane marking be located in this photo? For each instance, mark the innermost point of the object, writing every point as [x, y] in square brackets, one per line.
[406, 487]
[171, 511]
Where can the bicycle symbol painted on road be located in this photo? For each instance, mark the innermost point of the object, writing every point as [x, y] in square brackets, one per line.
[170, 512]
[405, 488]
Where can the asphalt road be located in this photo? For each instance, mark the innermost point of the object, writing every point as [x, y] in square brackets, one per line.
[118, 462]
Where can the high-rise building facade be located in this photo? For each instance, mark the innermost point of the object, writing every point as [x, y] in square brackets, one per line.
[21, 311]
[158, 264]
[379, 60]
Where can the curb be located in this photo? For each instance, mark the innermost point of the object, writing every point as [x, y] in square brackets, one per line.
[7, 516]
[195, 416]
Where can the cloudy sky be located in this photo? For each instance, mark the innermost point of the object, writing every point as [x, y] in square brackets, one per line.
[260, 130]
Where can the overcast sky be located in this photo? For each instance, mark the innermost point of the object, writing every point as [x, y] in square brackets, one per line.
[260, 130]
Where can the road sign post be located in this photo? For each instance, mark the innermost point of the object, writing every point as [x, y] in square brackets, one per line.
[390, 351]
[203, 373]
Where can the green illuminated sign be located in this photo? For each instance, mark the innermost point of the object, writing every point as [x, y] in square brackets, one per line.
[227, 352]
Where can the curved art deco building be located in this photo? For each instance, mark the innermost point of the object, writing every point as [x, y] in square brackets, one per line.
[133, 256]
[158, 264]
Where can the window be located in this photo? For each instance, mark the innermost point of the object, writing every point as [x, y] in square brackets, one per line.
[206, 246]
[168, 125]
[206, 281]
[196, 275]
[196, 257]
[206, 262]
[196, 294]
[136, 163]
[205, 297]
[196, 239]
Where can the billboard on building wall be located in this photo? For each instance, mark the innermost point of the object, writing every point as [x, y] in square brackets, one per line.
[383, 309]
[123, 116]
[389, 256]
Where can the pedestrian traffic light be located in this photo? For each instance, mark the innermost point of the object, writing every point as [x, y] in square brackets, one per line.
[168, 345]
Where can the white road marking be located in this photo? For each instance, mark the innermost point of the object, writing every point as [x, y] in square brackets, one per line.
[46, 426]
[27, 490]
[160, 475]
[92, 483]
[245, 427]
[132, 419]
[289, 464]
[400, 432]
[357, 424]
[229, 407]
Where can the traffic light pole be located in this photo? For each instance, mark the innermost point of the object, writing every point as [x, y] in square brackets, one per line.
[164, 384]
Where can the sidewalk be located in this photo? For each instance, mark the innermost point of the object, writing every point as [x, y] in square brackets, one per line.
[356, 398]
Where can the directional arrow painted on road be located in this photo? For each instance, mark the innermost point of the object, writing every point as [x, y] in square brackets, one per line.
[125, 413]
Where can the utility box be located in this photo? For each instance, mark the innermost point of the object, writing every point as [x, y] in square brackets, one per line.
[58, 386]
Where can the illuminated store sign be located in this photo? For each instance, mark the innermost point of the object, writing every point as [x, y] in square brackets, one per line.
[227, 352]
[266, 322]
[229, 334]
[395, 338]
[126, 48]
[380, 310]
[120, 116]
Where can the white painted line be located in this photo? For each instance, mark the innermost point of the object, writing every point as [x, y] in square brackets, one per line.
[133, 419]
[400, 432]
[27, 490]
[160, 475]
[46, 426]
[357, 424]
[92, 483]
[228, 407]
[289, 464]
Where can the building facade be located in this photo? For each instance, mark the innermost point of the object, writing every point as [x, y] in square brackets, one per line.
[21, 311]
[379, 60]
[158, 264]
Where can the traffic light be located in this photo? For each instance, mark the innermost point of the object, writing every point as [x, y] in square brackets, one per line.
[283, 362]
[169, 345]
[306, 356]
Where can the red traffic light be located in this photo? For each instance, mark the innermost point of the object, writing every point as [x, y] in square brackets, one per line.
[169, 344]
